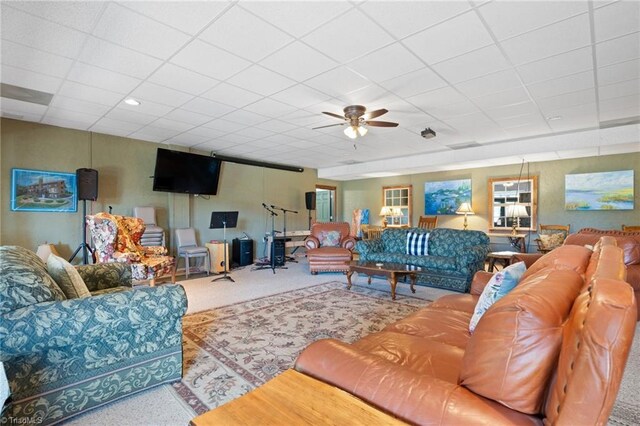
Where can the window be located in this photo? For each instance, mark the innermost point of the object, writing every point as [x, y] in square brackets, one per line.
[399, 199]
[505, 194]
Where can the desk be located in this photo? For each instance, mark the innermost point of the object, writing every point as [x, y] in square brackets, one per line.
[293, 398]
[517, 241]
[295, 239]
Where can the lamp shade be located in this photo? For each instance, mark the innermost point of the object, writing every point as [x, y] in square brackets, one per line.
[386, 211]
[351, 132]
[517, 210]
[465, 208]
[396, 211]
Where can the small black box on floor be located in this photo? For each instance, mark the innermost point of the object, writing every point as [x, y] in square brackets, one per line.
[277, 251]
[242, 252]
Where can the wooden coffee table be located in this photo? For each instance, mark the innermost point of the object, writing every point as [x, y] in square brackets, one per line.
[294, 398]
[391, 271]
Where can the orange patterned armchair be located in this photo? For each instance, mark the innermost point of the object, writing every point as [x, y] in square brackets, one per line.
[329, 247]
[117, 239]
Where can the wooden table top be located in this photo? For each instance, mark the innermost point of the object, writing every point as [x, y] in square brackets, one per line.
[293, 398]
[383, 267]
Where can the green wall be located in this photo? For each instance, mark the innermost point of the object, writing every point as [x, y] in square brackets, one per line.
[367, 193]
[125, 166]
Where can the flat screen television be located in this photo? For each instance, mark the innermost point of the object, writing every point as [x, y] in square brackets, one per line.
[187, 173]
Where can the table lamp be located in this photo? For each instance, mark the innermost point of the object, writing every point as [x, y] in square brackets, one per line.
[384, 212]
[465, 209]
[515, 212]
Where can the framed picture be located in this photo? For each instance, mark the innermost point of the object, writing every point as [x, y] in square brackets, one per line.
[43, 191]
[446, 196]
[599, 191]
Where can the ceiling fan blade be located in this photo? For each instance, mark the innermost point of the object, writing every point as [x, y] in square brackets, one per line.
[334, 115]
[376, 113]
[381, 124]
[330, 125]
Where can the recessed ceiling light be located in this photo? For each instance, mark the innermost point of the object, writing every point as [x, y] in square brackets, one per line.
[554, 118]
[132, 101]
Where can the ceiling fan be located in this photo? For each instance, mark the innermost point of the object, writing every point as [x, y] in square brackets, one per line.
[357, 117]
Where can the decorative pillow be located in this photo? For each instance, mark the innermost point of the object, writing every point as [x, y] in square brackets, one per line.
[551, 241]
[500, 284]
[67, 277]
[329, 239]
[417, 243]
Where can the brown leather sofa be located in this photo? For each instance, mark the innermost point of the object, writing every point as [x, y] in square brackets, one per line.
[329, 258]
[551, 351]
[629, 242]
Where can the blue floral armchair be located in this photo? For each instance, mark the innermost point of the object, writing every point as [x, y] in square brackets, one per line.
[65, 356]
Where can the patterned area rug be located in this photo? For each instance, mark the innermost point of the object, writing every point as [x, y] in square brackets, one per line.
[231, 350]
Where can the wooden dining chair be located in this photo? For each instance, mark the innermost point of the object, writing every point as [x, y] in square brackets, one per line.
[551, 236]
[631, 228]
[428, 222]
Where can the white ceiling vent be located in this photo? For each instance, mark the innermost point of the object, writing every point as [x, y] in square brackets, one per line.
[25, 95]
[464, 145]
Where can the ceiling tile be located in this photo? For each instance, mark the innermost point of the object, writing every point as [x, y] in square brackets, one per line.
[547, 105]
[186, 116]
[187, 16]
[618, 50]
[300, 96]
[507, 19]
[40, 34]
[209, 60]
[21, 107]
[558, 86]
[557, 66]
[112, 126]
[246, 118]
[338, 82]
[369, 96]
[160, 94]
[121, 26]
[69, 123]
[287, 62]
[254, 133]
[628, 113]
[79, 105]
[119, 59]
[513, 110]
[617, 19]
[511, 96]
[444, 96]
[231, 95]
[616, 90]
[154, 133]
[178, 78]
[404, 18]
[623, 102]
[448, 39]
[89, 94]
[79, 15]
[414, 83]
[148, 107]
[109, 80]
[261, 80]
[276, 126]
[296, 18]
[230, 32]
[386, 63]
[30, 80]
[205, 132]
[490, 83]
[129, 116]
[207, 107]
[165, 123]
[474, 64]
[187, 139]
[548, 41]
[270, 108]
[335, 39]
[619, 72]
[24, 57]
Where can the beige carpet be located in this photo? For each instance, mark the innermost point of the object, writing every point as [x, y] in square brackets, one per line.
[162, 405]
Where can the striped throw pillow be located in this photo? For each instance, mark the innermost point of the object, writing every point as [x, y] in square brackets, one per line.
[417, 243]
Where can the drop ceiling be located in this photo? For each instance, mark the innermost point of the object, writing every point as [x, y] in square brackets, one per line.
[498, 81]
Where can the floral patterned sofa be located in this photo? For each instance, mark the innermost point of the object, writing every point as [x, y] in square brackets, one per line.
[117, 239]
[453, 255]
[65, 356]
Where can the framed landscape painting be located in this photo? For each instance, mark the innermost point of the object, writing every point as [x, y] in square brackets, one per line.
[445, 197]
[43, 191]
[599, 191]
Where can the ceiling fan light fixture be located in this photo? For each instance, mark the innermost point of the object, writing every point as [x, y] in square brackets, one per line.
[362, 130]
[351, 132]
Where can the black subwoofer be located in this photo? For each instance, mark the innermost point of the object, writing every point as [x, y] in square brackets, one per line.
[242, 252]
[87, 180]
[277, 252]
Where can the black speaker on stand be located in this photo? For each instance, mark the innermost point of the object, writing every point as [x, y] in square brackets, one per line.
[310, 202]
[87, 182]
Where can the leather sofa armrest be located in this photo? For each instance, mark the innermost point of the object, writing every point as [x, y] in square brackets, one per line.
[348, 242]
[528, 258]
[311, 242]
[480, 280]
[415, 398]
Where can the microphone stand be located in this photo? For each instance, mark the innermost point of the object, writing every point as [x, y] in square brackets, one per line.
[284, 228]
[272, 263]
[225, 249]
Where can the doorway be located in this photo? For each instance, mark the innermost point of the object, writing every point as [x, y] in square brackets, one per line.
[325, 203]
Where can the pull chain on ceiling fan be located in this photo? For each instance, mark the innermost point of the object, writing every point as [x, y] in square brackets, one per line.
[356, 117]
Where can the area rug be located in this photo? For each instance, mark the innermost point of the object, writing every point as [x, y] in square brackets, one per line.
[231, 350]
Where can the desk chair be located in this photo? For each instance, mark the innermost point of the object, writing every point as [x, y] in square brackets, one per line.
[188, 248]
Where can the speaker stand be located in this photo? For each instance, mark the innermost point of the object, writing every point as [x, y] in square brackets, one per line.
[224, 249]
[83, 245]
